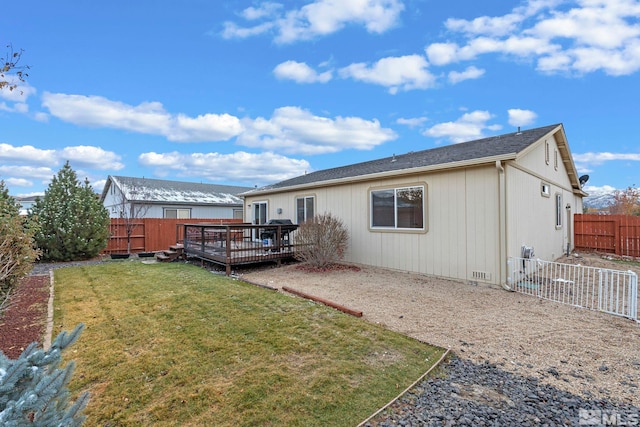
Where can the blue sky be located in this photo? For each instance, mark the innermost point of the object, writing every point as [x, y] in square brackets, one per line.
[250, 93]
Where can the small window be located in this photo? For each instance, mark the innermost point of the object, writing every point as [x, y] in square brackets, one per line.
[177, 213]
[398, 208]
[555, 159]
[558, 210]
[305, 208]
[545, 189]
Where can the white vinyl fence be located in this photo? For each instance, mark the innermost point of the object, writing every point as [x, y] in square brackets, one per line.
[611, 291]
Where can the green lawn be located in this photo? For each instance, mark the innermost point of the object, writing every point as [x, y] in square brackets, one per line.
[173, 344]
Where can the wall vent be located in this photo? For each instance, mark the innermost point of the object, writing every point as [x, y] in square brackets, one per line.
[481, 275]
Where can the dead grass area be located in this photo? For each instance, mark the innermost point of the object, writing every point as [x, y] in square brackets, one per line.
[585, 352]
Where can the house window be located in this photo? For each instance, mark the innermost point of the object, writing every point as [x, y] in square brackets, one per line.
[399, 208]
[177, 213]
[237, 213]
[558, 210]
[545, 189]
[305, 208]
[555, 159]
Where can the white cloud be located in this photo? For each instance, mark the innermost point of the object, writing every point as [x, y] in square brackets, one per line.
[397, 73]
[14, 159]
[294, 130]
[90, 157]
[599, 158]
[468, 74]
[16, 172]
[27, 153]
[20, 93]
[264, 10]
[147, 118]
[18, 182]
[579, 37]
[300, 73]
[518, 117]
[318, 18]
[468, 127]
[412, 122]
[241, 166]
[598, 190]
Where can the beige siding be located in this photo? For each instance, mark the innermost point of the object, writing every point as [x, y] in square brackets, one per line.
[456, 201]
[531, 217]
[483, 222]
[535, 162]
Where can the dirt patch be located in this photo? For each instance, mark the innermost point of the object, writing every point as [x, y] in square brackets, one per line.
[24, 320]
[585, 352]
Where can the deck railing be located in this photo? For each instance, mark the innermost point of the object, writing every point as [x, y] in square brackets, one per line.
[237, 244]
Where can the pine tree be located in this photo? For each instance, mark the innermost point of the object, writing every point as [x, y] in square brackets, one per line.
[34, 388]
[73, 224]
[17, 251]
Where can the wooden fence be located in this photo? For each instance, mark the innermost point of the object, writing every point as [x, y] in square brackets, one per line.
[152, 234]
[616, 234]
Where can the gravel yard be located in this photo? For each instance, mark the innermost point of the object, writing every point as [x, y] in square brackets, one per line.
[582, 352]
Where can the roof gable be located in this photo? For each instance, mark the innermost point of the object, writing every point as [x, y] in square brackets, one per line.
[508, 145]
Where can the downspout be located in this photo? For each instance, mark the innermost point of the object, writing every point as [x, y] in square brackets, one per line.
[502, 227]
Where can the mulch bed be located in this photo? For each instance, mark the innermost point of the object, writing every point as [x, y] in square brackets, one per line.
[331, 267]
[24, 320]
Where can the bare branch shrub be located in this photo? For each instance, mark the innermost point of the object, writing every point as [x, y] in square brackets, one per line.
[321, 241]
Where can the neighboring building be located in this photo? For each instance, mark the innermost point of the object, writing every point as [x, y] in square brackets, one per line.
[26, 203]
[457, 211]
[171, 199]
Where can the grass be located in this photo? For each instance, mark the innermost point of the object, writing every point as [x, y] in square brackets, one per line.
[172, 344]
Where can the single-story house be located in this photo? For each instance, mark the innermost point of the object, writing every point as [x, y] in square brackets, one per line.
[158, 198]
[26, 203]
[457, 211]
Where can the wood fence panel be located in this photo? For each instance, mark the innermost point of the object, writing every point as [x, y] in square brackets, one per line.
[152, 234]
[616, 234]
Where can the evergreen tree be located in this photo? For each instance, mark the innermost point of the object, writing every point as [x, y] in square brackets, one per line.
[72, 223]
[17, 251]
[34, 388]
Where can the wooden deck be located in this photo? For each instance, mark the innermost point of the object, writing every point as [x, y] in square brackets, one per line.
[237, 244]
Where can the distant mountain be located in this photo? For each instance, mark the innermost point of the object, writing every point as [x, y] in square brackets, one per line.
[599, 198]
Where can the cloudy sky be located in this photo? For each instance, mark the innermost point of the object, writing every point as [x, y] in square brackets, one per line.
[250, 92]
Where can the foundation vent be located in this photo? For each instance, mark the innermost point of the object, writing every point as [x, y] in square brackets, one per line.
[481, 275]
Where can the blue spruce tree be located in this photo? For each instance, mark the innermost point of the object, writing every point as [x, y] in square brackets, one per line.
[34, 388]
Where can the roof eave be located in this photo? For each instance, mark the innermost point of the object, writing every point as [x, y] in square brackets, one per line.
[387, 174]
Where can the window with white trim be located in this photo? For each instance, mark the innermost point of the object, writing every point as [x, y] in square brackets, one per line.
[545, 189]
[177, 213]
[558, 210]
[305, 208]
[398, 208]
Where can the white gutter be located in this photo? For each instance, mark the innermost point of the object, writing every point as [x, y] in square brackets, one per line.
[502, 227]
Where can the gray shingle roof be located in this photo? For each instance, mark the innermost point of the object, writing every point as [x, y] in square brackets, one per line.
[165, 191]
[510, 143]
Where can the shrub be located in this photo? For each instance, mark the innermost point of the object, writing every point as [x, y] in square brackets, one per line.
[33, 388]
[17, 252]
[72, 223]
[321, 241]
